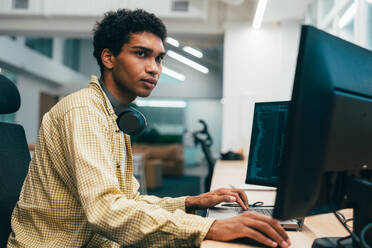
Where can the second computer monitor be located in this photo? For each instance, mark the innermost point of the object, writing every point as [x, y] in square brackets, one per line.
[267, 140]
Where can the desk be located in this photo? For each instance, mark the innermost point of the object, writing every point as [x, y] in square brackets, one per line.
[325, 225]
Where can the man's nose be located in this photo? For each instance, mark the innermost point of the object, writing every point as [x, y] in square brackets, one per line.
[153, 67]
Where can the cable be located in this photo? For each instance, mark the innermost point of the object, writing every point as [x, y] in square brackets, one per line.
[344, 219]
[341, 215]
[348, 220]
[353, 235]
[362, 235]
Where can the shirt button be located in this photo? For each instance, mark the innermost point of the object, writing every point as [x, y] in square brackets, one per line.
[117, 165]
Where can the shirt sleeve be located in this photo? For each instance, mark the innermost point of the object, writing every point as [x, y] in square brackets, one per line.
[141, 222]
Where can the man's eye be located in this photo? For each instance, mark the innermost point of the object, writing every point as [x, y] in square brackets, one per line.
[159, 59]
[140, 54]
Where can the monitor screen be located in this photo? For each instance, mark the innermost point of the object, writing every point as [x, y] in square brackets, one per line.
[327, 158]
[267, 140]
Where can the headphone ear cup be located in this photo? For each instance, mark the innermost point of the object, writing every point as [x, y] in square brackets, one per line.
[130, 120]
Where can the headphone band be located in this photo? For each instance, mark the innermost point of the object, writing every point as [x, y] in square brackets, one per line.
[129, 120]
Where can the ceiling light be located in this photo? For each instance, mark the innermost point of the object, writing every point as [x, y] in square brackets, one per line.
[160, 103]
[172, 41]
[173, 74]
[260, 11]
[188, 62]
[370, 1]
[193, 51]
[348, 16]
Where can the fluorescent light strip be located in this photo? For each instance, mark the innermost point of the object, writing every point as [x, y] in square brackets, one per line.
[260, 11]
[172, 41]
[193, 51]
[188, 62]
[173, 74]
[348, 16]
[162, 104]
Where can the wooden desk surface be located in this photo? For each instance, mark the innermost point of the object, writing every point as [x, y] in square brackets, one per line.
[325, 225]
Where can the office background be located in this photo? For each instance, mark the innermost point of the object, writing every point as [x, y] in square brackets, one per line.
[46, 49]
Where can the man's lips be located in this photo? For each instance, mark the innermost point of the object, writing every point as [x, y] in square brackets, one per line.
[149, 82]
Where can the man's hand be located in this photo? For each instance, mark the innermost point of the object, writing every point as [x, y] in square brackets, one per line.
[214, 197]
[261, 228]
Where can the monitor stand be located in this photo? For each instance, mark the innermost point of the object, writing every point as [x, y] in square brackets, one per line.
[331, 243]
[360, 198]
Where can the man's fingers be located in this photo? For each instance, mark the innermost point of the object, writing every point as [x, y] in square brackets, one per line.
[238, 196]
[275, 224]
[239, 200]
[271, 232]
[242, 195]
[230, 198]
[253, 234]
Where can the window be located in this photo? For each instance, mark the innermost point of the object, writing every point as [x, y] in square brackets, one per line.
[20, 4]
[346, 21]
[165, 120]
[71, 53]
[41, 45]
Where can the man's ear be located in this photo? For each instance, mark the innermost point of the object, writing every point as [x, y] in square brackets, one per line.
[107, 58]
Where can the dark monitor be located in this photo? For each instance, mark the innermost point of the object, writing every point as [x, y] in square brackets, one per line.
[267, 140]
[327, 157]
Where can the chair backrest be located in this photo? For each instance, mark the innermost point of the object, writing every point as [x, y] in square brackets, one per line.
[14, 157]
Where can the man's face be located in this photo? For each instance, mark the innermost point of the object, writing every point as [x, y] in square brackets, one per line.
[137, 68]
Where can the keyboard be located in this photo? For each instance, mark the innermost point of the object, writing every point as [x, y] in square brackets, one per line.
[264, 211]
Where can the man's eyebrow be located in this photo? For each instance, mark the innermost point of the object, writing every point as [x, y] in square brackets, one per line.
[148, 50]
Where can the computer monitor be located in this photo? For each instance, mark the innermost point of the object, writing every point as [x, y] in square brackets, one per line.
[267, 140]
[327, 156]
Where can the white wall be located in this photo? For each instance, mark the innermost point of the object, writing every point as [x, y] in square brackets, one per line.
[28, 114]
[87, 64]
[196, 85]
[210, 111]
[259, 65]
[35, 73]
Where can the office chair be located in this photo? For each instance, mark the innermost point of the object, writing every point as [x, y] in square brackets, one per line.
[203, 138]
[14, 157]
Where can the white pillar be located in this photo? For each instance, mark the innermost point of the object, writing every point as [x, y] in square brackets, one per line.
[58, 44]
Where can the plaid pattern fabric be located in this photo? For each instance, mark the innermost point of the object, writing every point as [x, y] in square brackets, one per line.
[76, 194]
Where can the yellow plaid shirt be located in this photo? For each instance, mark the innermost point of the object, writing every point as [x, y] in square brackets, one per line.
[76, 194]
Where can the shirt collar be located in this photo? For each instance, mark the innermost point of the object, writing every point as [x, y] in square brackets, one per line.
[94, 83]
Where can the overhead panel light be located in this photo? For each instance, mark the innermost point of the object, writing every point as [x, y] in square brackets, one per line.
[173, 74]
[161, 103]
[348, 16]
[172, 41]
[188, 62]
[260, 11]
[193, 51]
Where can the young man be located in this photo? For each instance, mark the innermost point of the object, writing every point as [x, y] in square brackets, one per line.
[80, 191]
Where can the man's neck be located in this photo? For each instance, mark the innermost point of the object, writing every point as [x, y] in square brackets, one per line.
[116, 91]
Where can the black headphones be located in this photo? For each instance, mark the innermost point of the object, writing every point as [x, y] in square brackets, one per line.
[129, 120]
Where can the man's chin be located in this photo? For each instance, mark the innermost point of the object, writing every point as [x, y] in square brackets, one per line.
[144, 94]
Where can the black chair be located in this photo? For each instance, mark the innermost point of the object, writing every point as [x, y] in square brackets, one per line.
[14, 157]
[203, 138]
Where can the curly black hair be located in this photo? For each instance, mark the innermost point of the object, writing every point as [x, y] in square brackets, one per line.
[115, 29]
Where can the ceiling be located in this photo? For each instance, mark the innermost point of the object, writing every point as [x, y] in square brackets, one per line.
[213, 14]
